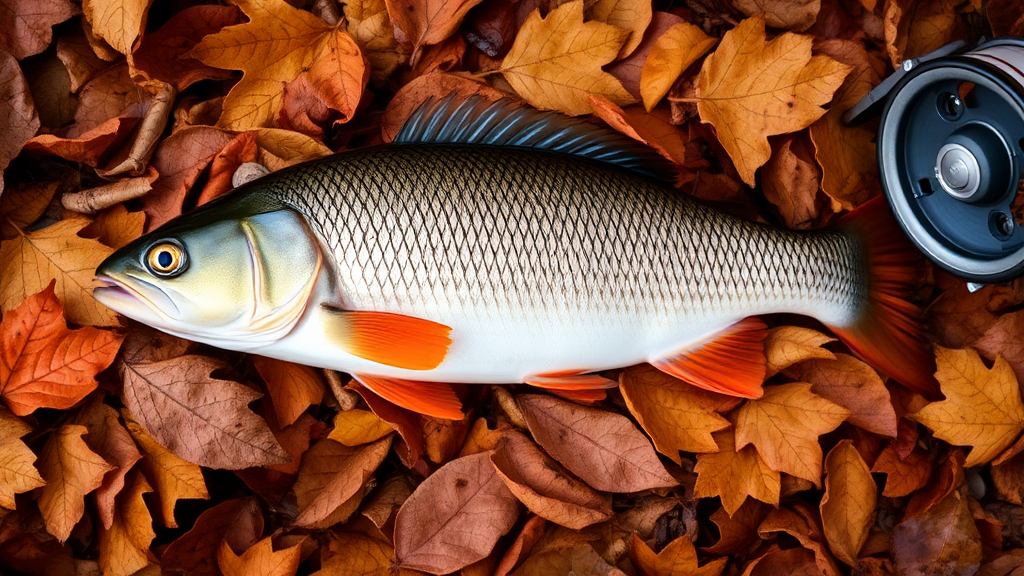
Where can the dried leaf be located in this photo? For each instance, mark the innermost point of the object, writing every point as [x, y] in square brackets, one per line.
[749, 89]
[17, 473]
[854, 385]
[676, 415]
[356, 427]
[238, 523]
[739, 531]
[17, 112]
[1003, 339]
[794, 562]
[173, 478]
[791, 179]
[92, 147]
[22, 205]
[631, 15]
[160, 56]
[555, 62]
[629, 69]
[292, 387]
[277, 44]
[119, 22]
[795, 15]
[438, 529]
[802, 522]
[116, 226]
[259, 560]
[112, 442]
[675, 50]
[784, 426]
[107, 95]
[371, 28]
[943, 540]
[435, 85]
[602, 448]
[45, 365]
[903, 475]
[678, 557]
[331, 473]
[914, 27]
[425, 22]
[348, 554]
[848, 506]
[788, 345]
[27, 25]
[124, 545]
[645, 128]
[545, 487]
[33, 260]
[735, 474]
[81, 62]
[71, 471]
[202, 419]
[982, 408]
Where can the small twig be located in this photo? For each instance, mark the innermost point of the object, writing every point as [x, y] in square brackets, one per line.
[347, 399]
[150, 129]
[93, 200]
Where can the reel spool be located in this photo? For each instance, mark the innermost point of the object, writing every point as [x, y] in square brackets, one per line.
[950, 156]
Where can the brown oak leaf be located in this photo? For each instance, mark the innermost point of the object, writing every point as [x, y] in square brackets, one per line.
[733, 475]
[71, 471]
[173, 478]
[678, 557]
[259, 560]
[124, 545]
[848, 506]
[330, 474]
[292, 387]
[114, 444]
[17, 472]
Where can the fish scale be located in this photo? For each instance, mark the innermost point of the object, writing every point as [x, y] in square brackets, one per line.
[546, 233]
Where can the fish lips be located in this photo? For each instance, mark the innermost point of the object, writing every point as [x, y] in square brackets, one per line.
[135, 298]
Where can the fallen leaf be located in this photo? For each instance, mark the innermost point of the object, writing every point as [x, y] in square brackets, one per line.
[112, 442]
[795, 15]
[749, 89]
[241, 150]
[1005, 16]
[784, 426]
[785, 346]
[677, 416]
[71, 471]
[81, 62]
[982, 408]
[292, 387]
[903, 475]
[160, 55]
[519, 550]
[854, 385]
[17, 472]
[733, 475]
[43, 364]
[555, 62]
[50, 85]
[22, 205]
[179, 159]
[277, 44]
[387, 498]
[791, 179]
[32, 260]
[93, 147]
[571, 556]
[438, 529]
[17, 112]
[631, 15]
[424, 22]
[492, 28]
[629, 69]
[545, 487]
[106, 96]
[738, 532]
[410, 448]
[943, 540]
[848, 506]
[443, 438]
[124, 545]
[119, 22]
[330, 474]
[481, 438]
[645, 128]
[802, 522]
[259, 560]
[436, 85]
[116, 226]
[675, 50]
[372, 29]
[173, 478]
[351, 554]
[1002, 339]
[678, 557]
[238, 523]
[357, 427]
[794, 562]
[914, 28]
[602, 448]
[27, 25]
[202, 419]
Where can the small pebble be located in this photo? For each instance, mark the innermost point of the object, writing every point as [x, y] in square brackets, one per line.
[248, 172]
[976, 484]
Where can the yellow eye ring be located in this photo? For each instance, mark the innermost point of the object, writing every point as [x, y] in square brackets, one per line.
[166, 259]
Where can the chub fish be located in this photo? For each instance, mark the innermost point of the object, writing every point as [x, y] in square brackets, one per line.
[494, 244]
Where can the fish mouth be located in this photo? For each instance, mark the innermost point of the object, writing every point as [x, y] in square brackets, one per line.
[123, 298]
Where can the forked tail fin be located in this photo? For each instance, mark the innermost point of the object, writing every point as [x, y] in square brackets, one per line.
[889, 333]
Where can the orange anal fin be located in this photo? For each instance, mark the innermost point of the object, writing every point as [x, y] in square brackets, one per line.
[732, 362]
[389, 339]
[431, 398]
[582, 396]
[570, 380]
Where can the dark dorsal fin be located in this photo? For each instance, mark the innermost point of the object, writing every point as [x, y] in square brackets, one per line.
[475, 120]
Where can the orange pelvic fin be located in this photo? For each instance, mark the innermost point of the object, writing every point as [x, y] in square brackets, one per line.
[570, 380]
[435, 399]
[732, 362]
[390, 339]
[890, 331]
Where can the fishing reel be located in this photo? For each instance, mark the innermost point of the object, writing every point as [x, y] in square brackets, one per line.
[950, 155]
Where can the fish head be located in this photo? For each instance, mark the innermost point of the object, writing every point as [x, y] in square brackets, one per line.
[232, 275]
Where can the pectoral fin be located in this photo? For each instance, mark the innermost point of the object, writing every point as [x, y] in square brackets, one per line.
[732, 362]
[431, 398]
[390, 339]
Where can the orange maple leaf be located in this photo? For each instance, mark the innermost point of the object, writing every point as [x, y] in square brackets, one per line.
[43, 364]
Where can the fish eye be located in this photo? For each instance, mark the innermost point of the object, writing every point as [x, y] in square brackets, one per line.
[166, 258]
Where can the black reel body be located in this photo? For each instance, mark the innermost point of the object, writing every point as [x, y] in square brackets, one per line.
[950, 157]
